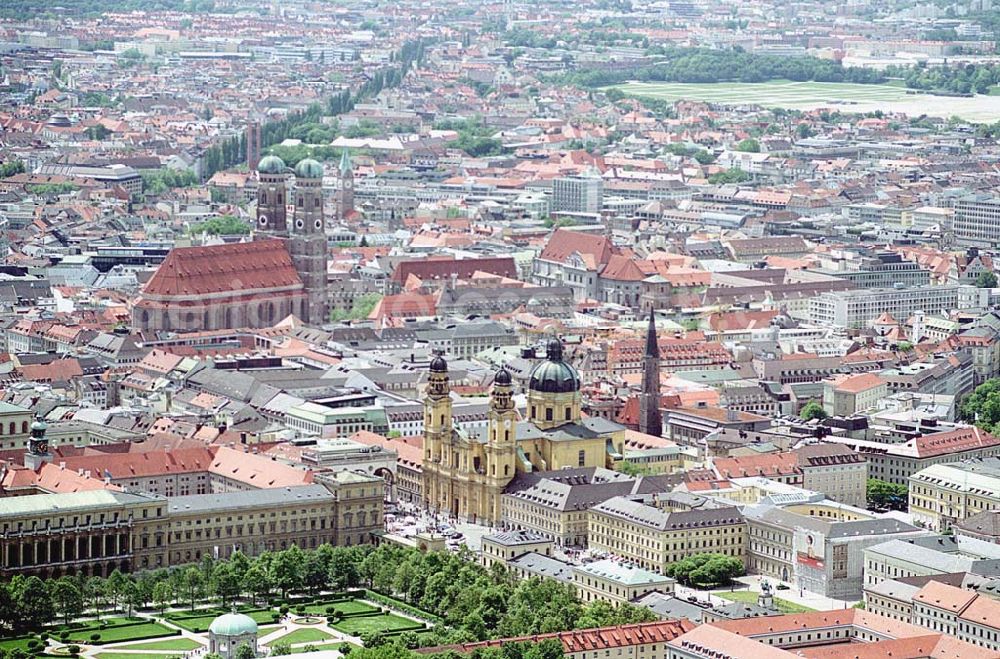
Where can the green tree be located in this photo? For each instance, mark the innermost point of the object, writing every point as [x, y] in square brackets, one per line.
[223, 225]
[631, 468]
[706, 570]
[286, 570]
[882, 495]
[194, 582]
[343, 569]
[361, 309]
[813, 410]
[33, 603]
[315, 573]
[115, 586]
[986, 279]
[225, 581]
[95, 594]
[54, 189]
[245, 651]
[11, 168]
[67, 598]
[982, 406]
[280, 649]
[749, 146]
[729, 176]
[163, 595]
[97, 132]
[257, 581]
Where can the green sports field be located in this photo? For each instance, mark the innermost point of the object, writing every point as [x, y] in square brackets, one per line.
[847, 97]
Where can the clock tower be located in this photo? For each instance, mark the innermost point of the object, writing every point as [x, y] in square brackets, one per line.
[38, 447]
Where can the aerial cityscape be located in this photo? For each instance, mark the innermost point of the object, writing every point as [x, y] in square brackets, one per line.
[608, 329]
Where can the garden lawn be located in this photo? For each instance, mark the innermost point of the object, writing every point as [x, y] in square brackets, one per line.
[352, 606]
[302, 636]
[339, 646]
[751, 597]
[135, 655]
[15, 643]
[200, 624]
[113, 634]
[182, 644]
[389, 623]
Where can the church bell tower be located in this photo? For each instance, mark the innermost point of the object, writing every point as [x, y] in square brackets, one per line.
[501, 443]
[307, 239]
[272, 195]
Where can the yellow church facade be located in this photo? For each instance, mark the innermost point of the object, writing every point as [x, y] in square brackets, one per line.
[466, 472]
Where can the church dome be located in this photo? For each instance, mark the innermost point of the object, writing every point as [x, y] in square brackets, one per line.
[233, 624]
[38, 424]
[554, 376]
[308, 168]
[439, 365]
[503, 378]
[271, 165]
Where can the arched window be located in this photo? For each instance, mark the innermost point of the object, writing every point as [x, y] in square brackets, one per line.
[12, 428]
[24, 426]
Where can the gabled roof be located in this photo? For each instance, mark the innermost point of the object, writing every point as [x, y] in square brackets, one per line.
[230, 268]
[564, 243]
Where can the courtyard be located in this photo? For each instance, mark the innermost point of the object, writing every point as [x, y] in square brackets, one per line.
[322, 623]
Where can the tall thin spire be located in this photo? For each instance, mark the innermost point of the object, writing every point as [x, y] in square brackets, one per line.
[652, 346]
[650, 417]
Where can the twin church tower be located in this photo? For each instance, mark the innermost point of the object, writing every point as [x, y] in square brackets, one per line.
[295, 214]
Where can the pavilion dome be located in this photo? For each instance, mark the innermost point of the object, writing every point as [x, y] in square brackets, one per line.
[233, 624]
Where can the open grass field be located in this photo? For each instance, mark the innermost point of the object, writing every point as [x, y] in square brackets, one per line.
[352, 606]
[303, 636]
[847, 97]
[181, 644]
[751, 597]
[113, 634]
[200, 624]
[358, 626]
[135, 655]
[15, 643]
[339, 646]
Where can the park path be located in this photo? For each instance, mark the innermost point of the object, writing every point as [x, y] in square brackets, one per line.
[288, 625]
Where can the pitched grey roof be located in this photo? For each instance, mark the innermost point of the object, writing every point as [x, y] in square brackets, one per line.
[278, 496]
[543, 566]
[640, 513]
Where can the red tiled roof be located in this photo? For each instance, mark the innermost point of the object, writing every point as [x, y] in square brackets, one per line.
[942, 596]
[601, 638]
[442, 268]
[52, 478]
[234, 268]
[768, 465]
[233, 464]
[953, 441]
[563, 243]
[854, 384]
[60, 370]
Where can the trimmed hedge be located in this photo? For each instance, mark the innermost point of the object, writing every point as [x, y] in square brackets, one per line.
[403, 606]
